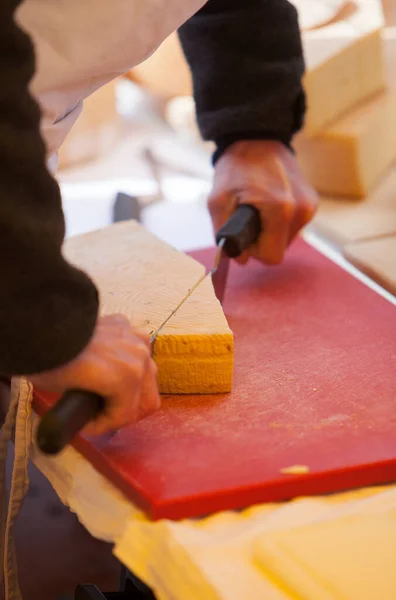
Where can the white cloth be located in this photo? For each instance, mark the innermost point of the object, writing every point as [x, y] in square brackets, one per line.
[81, 45]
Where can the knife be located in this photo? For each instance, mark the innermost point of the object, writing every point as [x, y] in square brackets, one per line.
[73, 411]
[76, 408]
[238, 234]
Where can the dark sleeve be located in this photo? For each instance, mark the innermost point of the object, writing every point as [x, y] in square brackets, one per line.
[247, 65]
[48, 309]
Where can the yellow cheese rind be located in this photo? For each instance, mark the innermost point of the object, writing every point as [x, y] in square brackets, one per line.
[143, 278]
[206, 355]
[205, 375]
[208, 360]
[349, 76]
[349, 157]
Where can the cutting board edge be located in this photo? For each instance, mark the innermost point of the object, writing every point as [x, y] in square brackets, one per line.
[311, 484]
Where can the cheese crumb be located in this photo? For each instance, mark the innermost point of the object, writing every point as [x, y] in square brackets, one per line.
[295, 470]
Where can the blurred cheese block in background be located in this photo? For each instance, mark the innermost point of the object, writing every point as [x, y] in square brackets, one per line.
[349, 157]
[341, 72]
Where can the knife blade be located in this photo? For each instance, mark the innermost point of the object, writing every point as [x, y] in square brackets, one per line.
[76, 408]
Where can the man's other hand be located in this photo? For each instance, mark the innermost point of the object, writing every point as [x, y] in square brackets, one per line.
[266, 175]
[116, 364]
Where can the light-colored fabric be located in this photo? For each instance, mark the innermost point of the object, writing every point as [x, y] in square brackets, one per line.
[219, 557]
[81, 45]
[18, 420]
[21, 394]
[307, 549]
[5, 438]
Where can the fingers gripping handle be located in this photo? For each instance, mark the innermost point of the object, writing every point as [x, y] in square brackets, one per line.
[241, 231]
[60, 425]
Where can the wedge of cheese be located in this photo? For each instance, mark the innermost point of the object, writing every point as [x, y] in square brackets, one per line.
[145, 279]
[336, 84]
[349, 157]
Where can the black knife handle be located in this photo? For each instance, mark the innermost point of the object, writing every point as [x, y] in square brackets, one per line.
[241, 231]
[66, 419]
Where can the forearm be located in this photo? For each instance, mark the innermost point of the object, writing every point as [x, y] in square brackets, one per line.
[247, 65]
[48, 309]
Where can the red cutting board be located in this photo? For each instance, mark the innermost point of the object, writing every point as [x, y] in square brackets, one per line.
[315, 385]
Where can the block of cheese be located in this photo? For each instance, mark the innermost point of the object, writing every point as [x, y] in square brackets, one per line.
[143, 278]
[341, 72]
[349, 157]
[377, 259]
[342, 222]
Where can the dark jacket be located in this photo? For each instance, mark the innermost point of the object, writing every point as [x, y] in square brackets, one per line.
[247, 65]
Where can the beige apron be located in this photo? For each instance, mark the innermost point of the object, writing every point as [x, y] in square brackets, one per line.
[18, 423]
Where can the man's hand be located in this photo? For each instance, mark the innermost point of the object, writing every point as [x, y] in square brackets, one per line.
[116, 364]
[266, 175]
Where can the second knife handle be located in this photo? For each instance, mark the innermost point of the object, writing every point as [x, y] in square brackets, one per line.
[62, 422]
[241, 231]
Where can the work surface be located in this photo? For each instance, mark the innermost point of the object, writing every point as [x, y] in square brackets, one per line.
[315, 382]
